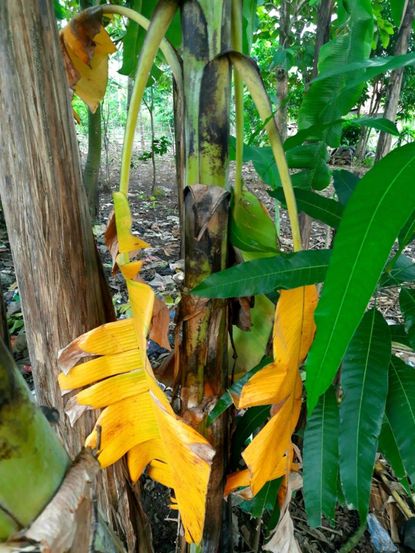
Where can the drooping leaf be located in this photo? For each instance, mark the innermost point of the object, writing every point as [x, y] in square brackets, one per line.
[389, 448]
[320, 459]
[344, 183]
[251, 227]
[137, 418]
[400, 410]
[86, 46]
[260, 276]
[403, 270]
[292, 336]
[324, 209]
[280, 383]
[371, 222]
[407, 305]
[364, 380]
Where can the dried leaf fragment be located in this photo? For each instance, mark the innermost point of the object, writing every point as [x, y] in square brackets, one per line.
[86, 46]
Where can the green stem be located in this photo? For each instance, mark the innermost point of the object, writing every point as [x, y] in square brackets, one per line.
[252, 79]
[236, 30]
[160, 22]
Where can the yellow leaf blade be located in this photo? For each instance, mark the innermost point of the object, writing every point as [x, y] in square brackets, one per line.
[100, 368]
[102, 394]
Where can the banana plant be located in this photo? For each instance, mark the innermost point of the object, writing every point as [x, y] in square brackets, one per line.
[203, 78]
[202, 67]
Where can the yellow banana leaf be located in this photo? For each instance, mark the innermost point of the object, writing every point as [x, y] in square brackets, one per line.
[86, 48]
[137, 419]
[270, 454]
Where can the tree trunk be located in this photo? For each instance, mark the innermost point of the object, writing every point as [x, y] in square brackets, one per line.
[153, 157]
[178, 108]
[203, 354]
[394, 89]
[60, 279]
[322, 36]
[324, 11]
[93, 160]
[281, 117]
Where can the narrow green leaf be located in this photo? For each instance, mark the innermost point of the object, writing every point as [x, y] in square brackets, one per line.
[389, 448]
[319, 207]
[251, 421]
[225, 401]
[371, 222]
[379, 123]
[264, 500]
[344, 183]
[403, 270]
[264, 275]
[407, 234]
[373, 67]
[407, 305]
[364, 380]
[321, 459]
[400, 409]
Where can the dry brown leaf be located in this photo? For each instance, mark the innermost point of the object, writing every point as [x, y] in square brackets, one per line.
[282, 539]
[86, 46]
[159, 331]
[111, 241]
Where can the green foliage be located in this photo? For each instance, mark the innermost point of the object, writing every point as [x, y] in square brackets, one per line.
[364, 382]
[328, 100]
[372, 220]
[319, 207]
[265, 275]
[321, 459]
[160, 147]
[401, 412]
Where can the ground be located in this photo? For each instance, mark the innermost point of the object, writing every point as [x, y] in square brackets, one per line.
[156, 220]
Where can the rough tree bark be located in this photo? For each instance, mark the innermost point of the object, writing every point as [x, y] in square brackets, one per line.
[203, 354]
[60, 280]
[394, 89]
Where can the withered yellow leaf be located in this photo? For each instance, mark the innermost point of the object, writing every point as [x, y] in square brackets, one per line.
[137, 418]
[293, 334]
[87, 45]
[270, 454]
